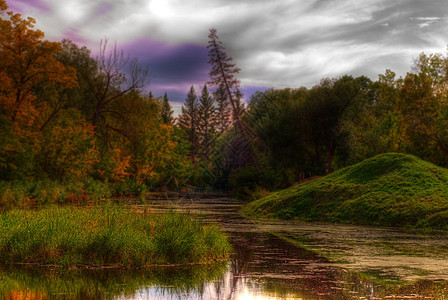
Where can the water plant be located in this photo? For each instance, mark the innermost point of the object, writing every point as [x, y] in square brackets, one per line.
[107, 235]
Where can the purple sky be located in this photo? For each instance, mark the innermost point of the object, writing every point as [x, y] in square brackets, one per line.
[284, 43]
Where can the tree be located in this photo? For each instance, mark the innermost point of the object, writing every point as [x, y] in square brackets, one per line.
[330, 105]
[188, 120]
[376, 129]
[279, 120]
[435, 66]
[86, 68]
[239, 104]
[147, 147]
[68, 149]
[206, 123]
[111, 86]
[423, 118]
[223, 71]
[223, 74]
[26, 62]
[167, 112]
[223, 108]
[28, 65]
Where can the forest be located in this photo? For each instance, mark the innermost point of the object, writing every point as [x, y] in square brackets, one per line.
[74, 127]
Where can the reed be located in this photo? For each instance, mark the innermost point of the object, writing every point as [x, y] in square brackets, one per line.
[107, 235]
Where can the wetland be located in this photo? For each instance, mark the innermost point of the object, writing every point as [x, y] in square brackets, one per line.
[271, 259]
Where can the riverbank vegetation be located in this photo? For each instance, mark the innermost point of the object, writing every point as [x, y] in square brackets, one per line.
[74, 128]
[107, 235]
[388, 189]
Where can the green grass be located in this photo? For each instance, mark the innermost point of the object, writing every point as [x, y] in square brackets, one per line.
[388, 190]
[106, 235]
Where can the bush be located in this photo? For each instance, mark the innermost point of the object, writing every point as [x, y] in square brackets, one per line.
[247, 183]
[33, 192]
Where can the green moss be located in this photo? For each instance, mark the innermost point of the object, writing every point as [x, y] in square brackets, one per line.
[389, 190]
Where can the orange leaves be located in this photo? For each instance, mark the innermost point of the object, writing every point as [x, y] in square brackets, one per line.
[27, 62]
[3, 5]
[43, 127]
[68, 148]
[121, 165]
[28, 65]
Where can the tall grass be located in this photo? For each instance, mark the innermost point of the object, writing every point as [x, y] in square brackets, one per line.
[34, 192]
[106, 235]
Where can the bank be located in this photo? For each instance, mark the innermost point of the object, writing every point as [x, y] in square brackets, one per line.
[387, 190]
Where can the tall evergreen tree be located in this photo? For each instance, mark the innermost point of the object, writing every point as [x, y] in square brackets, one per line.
[167, 112]
[188, 120]
[223, 107]
[206, 123]
[223, 70]
[223, 73]
[239, 105]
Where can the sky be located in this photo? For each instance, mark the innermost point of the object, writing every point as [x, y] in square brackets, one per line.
[276, 44]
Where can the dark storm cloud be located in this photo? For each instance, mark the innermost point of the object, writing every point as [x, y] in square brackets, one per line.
[330, 38]
[275, 43]
[172, 67]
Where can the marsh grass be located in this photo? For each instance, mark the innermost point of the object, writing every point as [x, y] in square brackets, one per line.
[106, 235]
[389, 190]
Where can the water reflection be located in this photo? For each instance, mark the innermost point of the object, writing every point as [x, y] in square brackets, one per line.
[263, 267]
[44, 283]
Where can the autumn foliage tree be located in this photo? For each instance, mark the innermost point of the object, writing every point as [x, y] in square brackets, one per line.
[74, 120]
[27, 64]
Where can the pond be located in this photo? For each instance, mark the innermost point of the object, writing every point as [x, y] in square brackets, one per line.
[272, 260]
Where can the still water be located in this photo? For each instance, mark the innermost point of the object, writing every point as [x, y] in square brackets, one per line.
[368, 263]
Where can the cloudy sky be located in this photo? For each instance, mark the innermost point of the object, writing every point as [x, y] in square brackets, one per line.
[282, 43]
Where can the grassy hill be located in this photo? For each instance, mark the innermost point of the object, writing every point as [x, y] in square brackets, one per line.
[388, 189]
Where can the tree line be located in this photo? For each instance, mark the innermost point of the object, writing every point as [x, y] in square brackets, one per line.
[87, 123]
[70, 119]
[285, 136]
